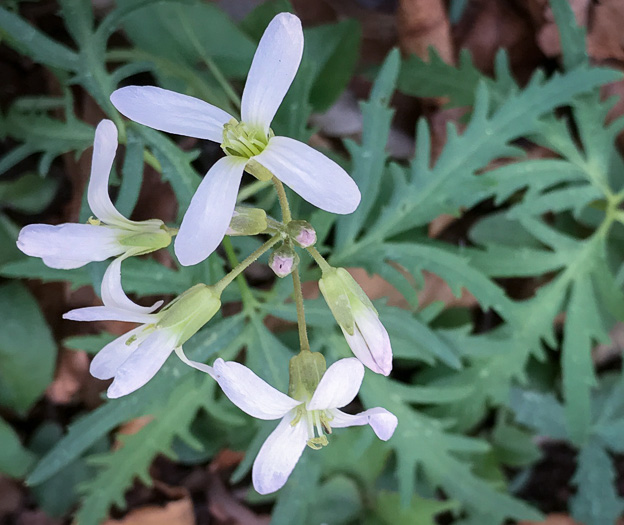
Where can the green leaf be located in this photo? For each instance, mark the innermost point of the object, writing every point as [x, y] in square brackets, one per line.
[164, 28]
[421, 442]
[414, 340]
[36, 44]
[33, 268]
[571, 36]
[267, 356]
[596, 501]
[436, 78]
[425, 192]
[369, 158]
[541, 412]
[83, 433]
[118, 469]
[29, 193]
[27, 348]
[132, 173]
[176, 166]
[91, 344]
[334, 50]
[422, 511]
[15, 460]
[294, 499]
[28, 121]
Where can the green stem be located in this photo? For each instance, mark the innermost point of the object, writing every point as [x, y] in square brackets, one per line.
[239, 268]
[212, 67]
[251, 190]
[301, 323]
[320, 260]
[283, 200]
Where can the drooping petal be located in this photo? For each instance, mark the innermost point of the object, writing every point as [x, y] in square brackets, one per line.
[382, 422]
[143, 363]
[194, 364]
[338, 386]
[68, 246]
[104, 148]
[311, 174]
[171, 112]
[272, 71]
[107, 313]
[370, 342]
[278, 456]
[250, 393]
[112, 356]
[210, 211]
[113, 295]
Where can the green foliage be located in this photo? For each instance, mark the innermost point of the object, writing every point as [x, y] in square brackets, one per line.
[15, 460]
[27, 349]
[523, 361]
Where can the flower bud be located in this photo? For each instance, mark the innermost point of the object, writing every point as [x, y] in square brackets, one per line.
[302, 233]
[188, 312]
[306, 370]
[358, 320]
[247, 221]
[283, 260]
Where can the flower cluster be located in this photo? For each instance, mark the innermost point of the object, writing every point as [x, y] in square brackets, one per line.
[316, 393]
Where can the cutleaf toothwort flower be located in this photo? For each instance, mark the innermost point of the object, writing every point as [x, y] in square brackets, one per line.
[307, 414]
[249, 144]
[358, 319]
[135, 357]
[72, 245]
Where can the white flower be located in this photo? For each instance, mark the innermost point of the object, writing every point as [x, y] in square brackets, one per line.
[135, 357]
[249, 144]
[358, 319]
[307, 415]
[71, 245]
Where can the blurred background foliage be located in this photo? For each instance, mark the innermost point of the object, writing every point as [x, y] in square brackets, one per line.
[490, 235]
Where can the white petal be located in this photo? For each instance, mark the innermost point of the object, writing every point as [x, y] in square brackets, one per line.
[370, 342]
[272, 71]
[209, 214]
[338, 386]
[69, 245]
[311, 174]
[104, 148]
[112, 356]
[171, 112]
[382, 422]
[250, 393]
[143, 364]
[113, 295]
[278, 456]
[198, 366]
[107, 313]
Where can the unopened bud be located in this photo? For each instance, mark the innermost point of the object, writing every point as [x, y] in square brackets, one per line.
[283, 260]
[302, 233]
[247, 221]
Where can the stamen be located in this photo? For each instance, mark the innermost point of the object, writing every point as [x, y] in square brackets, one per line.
[317, 422]
[241, 140]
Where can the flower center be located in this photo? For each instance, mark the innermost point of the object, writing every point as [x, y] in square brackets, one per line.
[317, 424]
[241, 140]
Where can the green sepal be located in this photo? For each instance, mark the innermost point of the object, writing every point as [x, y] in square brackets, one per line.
[306, 370]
